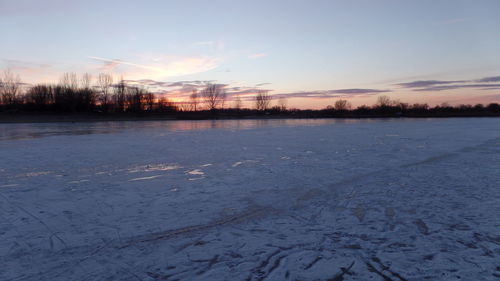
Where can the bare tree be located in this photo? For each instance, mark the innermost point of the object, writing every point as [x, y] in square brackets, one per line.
[120, 95]
[237, 102]
[184, 106]
[105, 81]
[69, 80]
[149, 100]
[383, 101]
[86, 81]
[262, 100]
[282, 103]
[135, 98]
[213, 96]
[194, 100]
[342, 105]
[40, 96]
[9, 87]
[164, 105]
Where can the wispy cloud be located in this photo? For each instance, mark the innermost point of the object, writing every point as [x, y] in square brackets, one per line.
[337, 93]
[262, 84]
[458, 86]
[257, 56]
[490, 79]
[426, 83]
[31, 71]
[486, 83]
[158, 67]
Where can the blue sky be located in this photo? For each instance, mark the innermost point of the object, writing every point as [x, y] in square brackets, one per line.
[312, 52]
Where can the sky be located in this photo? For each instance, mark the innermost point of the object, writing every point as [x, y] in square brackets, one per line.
[311, 52]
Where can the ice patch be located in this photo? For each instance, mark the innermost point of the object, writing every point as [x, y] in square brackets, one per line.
[79, 181]
[196, 172]
[153, 168]
[36, 174]
[145, 178]
[9, 185]
[242, 162]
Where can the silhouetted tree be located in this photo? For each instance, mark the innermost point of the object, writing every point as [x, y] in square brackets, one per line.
[164, 105]
[213, 96]
[120, 92]
[342, 105]
[282, 103]
[262, 100]
[69, 80]
[494, 107]
[41, 96]
[135, 98]
[237, 103]
[149, 101]
[383, 101]
[104, 82]
[194, 100]
[9, 87]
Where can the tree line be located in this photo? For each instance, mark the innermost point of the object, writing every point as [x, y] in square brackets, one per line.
[101, 94]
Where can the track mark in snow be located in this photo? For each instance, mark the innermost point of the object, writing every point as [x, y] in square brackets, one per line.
[422, 227]
[340, 276]
[145, 178]
[52, 232]
[251, 214]
[317, 259]
[431, 160]
[384, 268]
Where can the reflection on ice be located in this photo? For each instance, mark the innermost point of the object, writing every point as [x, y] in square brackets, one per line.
[42, 130]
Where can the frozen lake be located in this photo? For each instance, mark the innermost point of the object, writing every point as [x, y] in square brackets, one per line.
[402, 199]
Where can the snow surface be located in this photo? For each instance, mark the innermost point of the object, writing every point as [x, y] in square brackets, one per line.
[402, 199]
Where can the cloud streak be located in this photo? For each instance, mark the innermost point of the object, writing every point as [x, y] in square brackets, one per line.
[161, 67]
[489, 79]
[426, 83]
[459, 86]
[337, 93]
[486, 83]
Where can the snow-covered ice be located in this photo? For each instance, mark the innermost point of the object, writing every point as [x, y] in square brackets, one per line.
[402, 199]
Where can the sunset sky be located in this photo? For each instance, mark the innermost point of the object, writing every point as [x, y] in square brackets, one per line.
[312, 52]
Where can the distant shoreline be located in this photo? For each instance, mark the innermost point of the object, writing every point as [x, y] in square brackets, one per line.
[12, 118]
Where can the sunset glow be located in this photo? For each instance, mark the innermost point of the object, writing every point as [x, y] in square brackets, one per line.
[310, 53]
